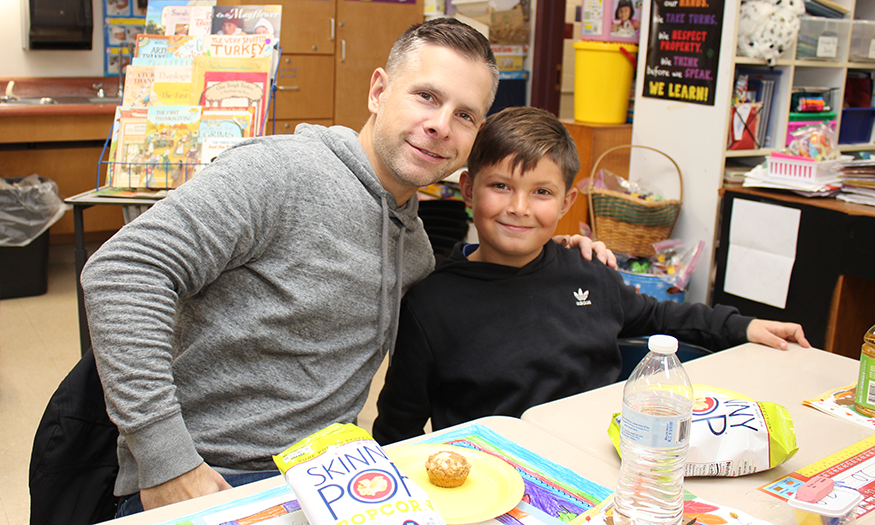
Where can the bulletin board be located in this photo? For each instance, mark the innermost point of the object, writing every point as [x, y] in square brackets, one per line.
[123, 21]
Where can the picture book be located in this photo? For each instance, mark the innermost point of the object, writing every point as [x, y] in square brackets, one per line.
[227, 123]
[202, 64]
[238, 45]
[171, 85]
[173, 143]
[228, 89]
[152, 46]
[201, 21]
[138, 85]
[185, 46]
[247, 19]
[175, 19]
[155, 10]
[127, 152]
[212, 147]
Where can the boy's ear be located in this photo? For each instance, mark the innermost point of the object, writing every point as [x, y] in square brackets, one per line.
[466, 184]
[379, 84]
[570, 197]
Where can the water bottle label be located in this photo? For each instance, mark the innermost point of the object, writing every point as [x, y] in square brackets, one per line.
[654, 431]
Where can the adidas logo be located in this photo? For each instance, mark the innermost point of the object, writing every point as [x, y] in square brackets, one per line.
[582, 297]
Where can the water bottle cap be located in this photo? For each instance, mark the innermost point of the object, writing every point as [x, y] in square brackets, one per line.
[662, 344]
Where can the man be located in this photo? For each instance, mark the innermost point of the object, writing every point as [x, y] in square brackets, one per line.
[253, 305]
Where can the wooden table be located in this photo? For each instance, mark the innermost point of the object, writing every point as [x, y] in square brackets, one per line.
[765, 374]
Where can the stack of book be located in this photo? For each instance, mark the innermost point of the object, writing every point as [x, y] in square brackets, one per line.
[187, 97]
[858, 182]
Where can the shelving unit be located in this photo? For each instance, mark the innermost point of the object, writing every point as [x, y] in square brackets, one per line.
[696, 136]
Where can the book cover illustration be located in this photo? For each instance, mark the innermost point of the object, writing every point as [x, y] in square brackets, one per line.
[185, 46]
[247, 19]
[201, 21]
[138, 86]
[172, 145]
[171, 85]
[155, 10]
[127, 153]
[234, 122]
[238, 45]
[203, 64]
[175, 19]
[236, 89]
[151, 46]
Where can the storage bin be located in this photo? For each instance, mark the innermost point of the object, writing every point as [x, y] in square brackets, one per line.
[856, 125]
[511, 90]
[603, 74]
[800, 169]
[801, 120]
[510, 58]
[823, 39]
[862, 41]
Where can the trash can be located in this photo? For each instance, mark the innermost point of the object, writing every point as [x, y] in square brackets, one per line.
[28, 207]
[603, 74]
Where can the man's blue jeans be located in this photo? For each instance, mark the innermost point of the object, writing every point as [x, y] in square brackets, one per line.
[131, 504]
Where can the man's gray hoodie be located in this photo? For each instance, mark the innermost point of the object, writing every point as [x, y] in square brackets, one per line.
[252, 306]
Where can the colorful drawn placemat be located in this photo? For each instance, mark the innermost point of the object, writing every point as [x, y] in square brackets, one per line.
[853, 467]
[839, 402]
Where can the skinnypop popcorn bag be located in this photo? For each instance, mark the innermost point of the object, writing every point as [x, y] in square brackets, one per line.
[343, 477]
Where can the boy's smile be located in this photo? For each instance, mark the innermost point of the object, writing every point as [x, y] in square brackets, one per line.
[514, 213]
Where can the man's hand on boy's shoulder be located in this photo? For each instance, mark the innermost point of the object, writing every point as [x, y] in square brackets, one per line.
[776, 334]
[588, 248]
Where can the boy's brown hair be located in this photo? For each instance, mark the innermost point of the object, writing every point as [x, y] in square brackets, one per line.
[526, 135]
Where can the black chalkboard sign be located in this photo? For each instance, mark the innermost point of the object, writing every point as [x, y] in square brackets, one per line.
[683, 50]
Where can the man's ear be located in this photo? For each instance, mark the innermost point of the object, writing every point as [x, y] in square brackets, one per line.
[466, 185]
[379, 84]
[570, 197]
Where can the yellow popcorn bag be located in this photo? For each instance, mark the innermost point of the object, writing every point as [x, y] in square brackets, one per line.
[732, 437]
[343, 477]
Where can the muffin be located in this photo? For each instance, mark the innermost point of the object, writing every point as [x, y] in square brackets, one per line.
[447, 469]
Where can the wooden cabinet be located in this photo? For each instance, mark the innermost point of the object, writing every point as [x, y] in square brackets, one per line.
[592, 140]
[330, 49]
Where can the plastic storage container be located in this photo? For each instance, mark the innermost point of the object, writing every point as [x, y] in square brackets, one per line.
[856, 125]
[653, 286]
[801, 120]
[602, 80]
[654, 438]
[823, 39]
[862, 41]
[510, 58]
[839, 507]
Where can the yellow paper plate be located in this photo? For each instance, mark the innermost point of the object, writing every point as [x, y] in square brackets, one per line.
[715, 391]
[493, 487]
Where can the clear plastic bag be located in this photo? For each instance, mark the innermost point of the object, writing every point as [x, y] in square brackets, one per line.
[28, 207]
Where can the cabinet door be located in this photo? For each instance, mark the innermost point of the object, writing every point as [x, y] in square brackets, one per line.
[304, 87]
[365, 34]
[307, 25]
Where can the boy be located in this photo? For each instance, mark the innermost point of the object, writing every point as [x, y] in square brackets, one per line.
[516, 322]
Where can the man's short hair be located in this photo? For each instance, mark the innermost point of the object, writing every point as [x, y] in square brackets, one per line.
[526, 135]
[449, 33]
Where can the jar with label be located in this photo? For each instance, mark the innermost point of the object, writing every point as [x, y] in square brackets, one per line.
[864, 401]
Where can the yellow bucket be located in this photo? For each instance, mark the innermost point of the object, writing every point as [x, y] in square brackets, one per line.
[602, 81]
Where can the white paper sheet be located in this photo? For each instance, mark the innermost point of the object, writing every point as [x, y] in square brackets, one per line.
[762, 251]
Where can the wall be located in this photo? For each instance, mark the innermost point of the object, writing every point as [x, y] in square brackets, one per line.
[20, 63]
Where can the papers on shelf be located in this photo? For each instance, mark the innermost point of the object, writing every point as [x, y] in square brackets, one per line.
[858, 182]
[759, 177]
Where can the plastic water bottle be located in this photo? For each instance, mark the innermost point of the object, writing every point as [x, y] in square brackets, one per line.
[654, 438]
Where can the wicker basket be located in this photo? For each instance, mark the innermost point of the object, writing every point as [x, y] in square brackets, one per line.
[627, 224]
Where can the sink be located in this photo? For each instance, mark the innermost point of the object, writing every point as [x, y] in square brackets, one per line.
[39, 101]
[29, 101]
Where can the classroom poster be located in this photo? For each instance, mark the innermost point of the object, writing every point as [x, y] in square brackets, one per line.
[683, 50]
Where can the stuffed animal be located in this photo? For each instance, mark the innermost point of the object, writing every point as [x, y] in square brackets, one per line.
[766, 28]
